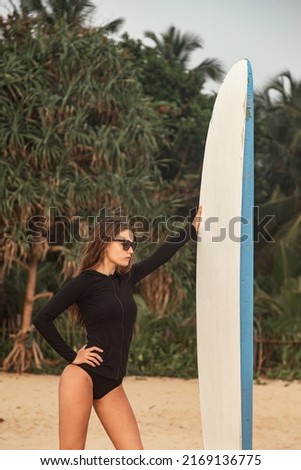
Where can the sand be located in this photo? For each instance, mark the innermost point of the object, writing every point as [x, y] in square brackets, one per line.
[167, 411]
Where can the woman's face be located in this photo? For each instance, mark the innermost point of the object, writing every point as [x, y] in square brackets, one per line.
[117, 252]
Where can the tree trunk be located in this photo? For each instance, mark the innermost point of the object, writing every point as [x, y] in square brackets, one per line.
[30, 293]
[25, 350]
[2, 280]
[2, 293]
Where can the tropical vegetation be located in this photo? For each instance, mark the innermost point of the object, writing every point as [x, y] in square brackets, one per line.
[92, 123]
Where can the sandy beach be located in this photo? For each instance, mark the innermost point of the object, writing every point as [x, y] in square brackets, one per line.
[167, 411]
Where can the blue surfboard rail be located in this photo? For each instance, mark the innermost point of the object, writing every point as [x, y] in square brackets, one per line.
[247, 272]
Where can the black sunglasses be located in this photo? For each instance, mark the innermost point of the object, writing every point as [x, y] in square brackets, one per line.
[126, 244]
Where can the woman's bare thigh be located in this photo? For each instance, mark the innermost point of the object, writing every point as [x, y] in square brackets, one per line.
[75, 404]
[118, 419]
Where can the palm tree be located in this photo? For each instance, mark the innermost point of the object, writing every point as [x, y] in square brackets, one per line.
[73, 12]
[177, 94]
[176, 46]
[74, 138]
[278, 108]
[278, 306]
[278, 166]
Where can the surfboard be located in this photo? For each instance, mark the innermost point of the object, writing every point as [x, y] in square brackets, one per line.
[224, 271]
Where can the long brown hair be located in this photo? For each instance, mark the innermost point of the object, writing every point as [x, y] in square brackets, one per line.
[93, 254]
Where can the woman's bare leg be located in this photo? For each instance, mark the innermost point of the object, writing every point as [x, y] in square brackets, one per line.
[118, 419]
[75, 404]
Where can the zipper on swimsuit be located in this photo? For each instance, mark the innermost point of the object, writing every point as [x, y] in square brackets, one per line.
[122, 325]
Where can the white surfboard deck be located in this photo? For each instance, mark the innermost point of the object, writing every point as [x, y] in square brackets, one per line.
[225, 267]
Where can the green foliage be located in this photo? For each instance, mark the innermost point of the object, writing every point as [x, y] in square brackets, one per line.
[73, 138]
[277, 264]
[165, 346]
[73, 12]
[278, 116]
[87, 122]
[277, 311]
[176, 91]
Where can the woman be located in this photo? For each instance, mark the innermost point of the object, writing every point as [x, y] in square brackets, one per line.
[101, 297]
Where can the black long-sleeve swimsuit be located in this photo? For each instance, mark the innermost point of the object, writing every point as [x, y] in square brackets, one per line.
[108, 308]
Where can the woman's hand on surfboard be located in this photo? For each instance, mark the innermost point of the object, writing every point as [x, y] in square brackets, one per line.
[197, 219]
